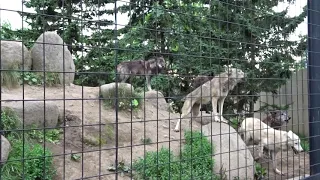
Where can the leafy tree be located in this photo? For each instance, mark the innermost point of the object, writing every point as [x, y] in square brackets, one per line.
[203, 36]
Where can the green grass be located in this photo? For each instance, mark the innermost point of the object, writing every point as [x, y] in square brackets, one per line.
[35, 166]
[9, 121]
[27, 158]
[194, 162]
[234, 123]
[260, 172]
[50, 135]
[304, 141]
[31, 78]
[10, 78]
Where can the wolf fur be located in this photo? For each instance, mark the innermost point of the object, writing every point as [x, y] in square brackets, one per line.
[215, 90]
[198, 81]
[277, 118]
[271, 139]
[150, 67]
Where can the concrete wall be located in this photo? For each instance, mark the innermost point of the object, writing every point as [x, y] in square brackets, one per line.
[295, 91]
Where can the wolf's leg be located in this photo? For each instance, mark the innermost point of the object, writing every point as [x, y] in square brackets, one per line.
[195, 111]
[176, 129]
[148, 82]
[214, 109]
[221, 102]
[274, 163]
[185, 110]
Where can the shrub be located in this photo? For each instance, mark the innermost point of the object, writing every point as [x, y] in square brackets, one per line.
[260, 172]
[31, 78]
[50, 135]
[304, 141]
[9, 121]
[36, 164]
[127, 98]
[25, 159]
[10, 78]
[195, 161]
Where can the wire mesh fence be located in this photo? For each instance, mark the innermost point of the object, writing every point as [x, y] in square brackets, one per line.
[149, 89]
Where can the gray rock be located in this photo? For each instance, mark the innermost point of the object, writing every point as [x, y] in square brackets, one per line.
[231, 154]
[14, 55]
[106, 88]
[5, 149]
[36, 113]
[299, 177]
[156, 99]
[55, 53]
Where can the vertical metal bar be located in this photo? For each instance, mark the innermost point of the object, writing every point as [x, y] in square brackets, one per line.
[314, 83]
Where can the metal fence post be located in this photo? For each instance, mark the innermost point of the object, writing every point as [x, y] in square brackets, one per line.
[314, 83]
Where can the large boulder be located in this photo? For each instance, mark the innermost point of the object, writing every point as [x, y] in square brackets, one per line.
[14, 55]
[231, 154]
[107, 89]
[156, 99]
[35, 113]
[53, 56]
[5, 149]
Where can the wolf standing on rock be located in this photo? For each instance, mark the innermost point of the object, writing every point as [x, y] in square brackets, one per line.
[140, 67]
[215, 90]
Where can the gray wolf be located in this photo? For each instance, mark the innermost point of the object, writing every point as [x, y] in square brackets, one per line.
[198, 81]
[276, 119]
[271, 139]
[150, 67]
[215, 90]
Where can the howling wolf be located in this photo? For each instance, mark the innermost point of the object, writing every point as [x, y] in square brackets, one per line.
[215, 90]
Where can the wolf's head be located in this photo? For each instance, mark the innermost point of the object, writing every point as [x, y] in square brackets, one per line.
[280, 116]
[235, 73]
[294, 142]
[157, 64]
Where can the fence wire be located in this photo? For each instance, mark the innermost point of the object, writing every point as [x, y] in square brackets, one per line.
[163, 89]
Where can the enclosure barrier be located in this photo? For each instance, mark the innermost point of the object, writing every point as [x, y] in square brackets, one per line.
[218, 89]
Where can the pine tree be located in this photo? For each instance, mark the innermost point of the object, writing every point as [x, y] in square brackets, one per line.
[203, 36]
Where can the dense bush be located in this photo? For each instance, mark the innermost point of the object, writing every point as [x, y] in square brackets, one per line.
[27, 159]
[195, 161]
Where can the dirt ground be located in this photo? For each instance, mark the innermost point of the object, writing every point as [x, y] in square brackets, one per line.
[87, 116]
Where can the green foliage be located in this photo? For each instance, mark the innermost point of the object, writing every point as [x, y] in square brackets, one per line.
[122, 168]
[75, 157]
[304, 141]
[260, 172]
[10, 78]
[272, 107]
[234, 122]
[127, 98]
[194, 162]
[9, 121]
[52, 135]
[37, 164]
[50, 79]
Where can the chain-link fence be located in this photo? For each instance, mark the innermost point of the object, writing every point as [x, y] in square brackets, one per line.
[144, 89]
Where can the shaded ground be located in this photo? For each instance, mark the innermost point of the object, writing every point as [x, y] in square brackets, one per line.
[87, 117]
